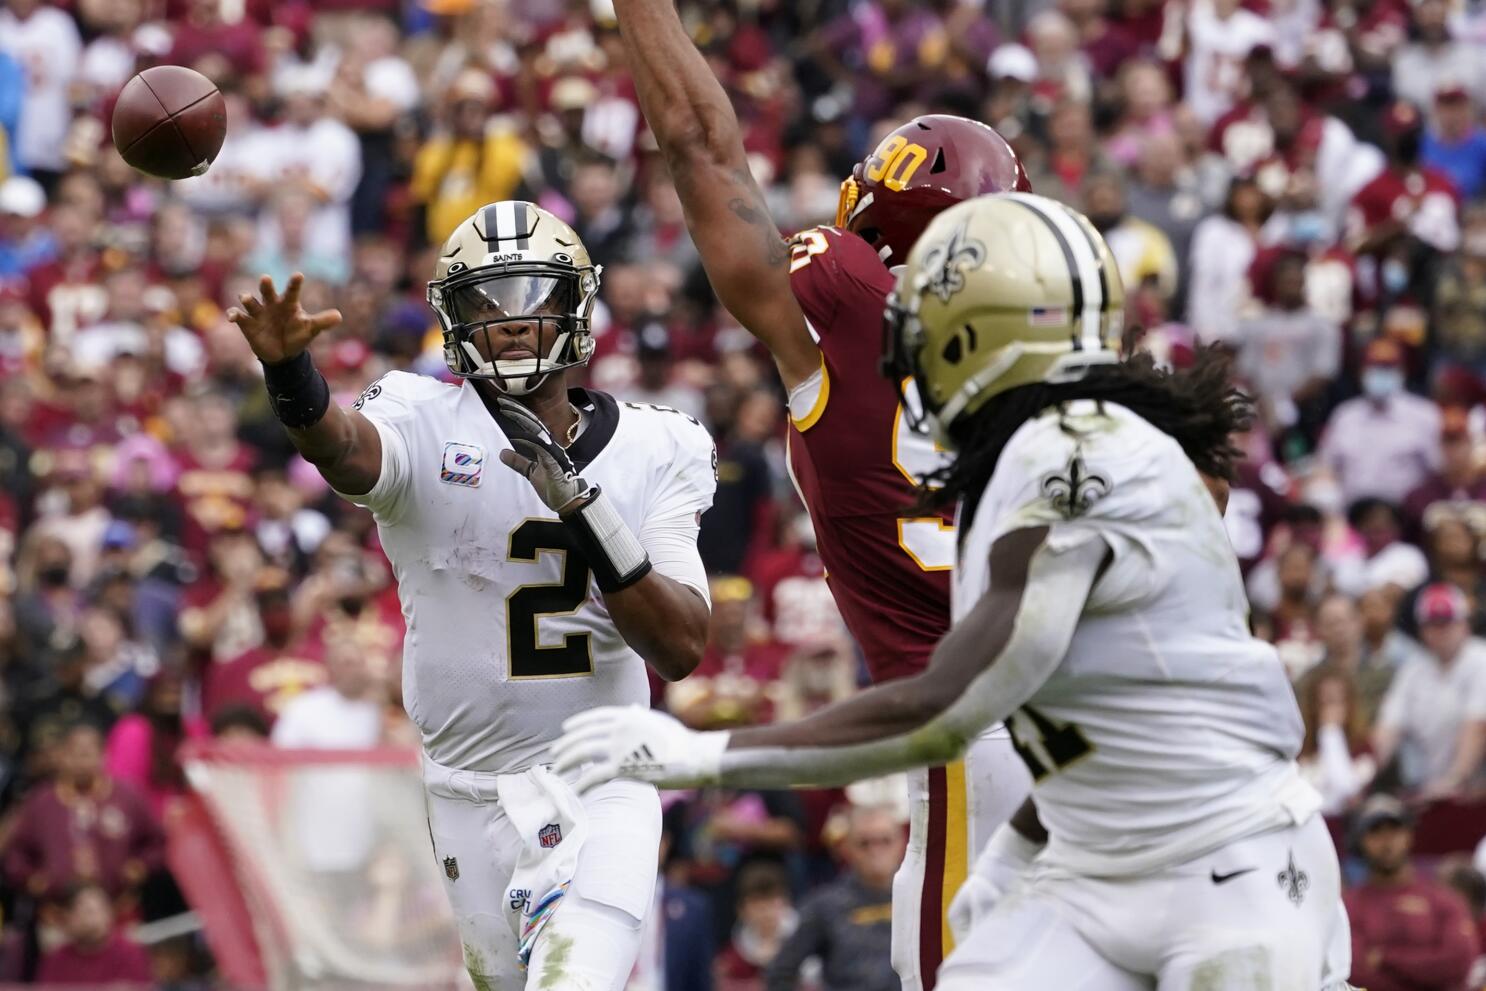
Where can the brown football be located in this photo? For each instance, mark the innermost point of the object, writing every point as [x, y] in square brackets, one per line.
[169, 121]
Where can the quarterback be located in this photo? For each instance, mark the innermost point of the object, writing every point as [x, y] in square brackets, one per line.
[816, 302]
[531, 594]
[1099, 610]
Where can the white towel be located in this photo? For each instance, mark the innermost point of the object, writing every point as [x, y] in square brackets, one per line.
[550, 819]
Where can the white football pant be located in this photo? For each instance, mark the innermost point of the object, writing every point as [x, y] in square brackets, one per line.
[1264, 912]
[593, 938]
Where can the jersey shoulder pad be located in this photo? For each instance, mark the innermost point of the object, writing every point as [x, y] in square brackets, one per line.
[829, 270]
[1083, 463]
[681, 449]
[398, 393]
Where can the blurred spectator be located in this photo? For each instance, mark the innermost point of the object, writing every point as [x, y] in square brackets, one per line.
[1223, 248]
[25, 241]
[266, 676]
[343, 714]
[676, 947]
[239, 724]
[45, 41]
[1334, 756]
[766, 918]
[313, 153]
[1142, 251]
[96, 953]
[84, 826]
[471, 161]
[1432, 60]
[1384, 646]
[1459, 293]
[847, 924]
[1220, 35]
[1342, 629]
[1385, 442]
[1458, 487]
[744, 484]
[737, 681]
[143, 746]
[1386, 559]
[1408, 933]
[1455, 143]
[1289, 354]
[1071, 156]
[1456, 873]
[657, 382]
[1433, 719]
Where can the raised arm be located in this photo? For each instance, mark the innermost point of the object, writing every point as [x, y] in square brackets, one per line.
[745, 257]
[341, 443]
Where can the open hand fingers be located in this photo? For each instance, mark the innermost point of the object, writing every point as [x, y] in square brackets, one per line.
[250, 303]
[267, 291]
[322, 321]
[291, 292]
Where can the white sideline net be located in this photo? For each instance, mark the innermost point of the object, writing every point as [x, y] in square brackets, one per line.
[334, 859]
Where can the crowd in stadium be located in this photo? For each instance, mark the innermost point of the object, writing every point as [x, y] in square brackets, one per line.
[1301, 181]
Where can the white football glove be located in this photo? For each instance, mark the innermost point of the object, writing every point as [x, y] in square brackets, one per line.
[638, 743]
[1006, 857]
[537, 456]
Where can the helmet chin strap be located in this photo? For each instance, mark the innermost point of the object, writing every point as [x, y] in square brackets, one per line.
[519, 385]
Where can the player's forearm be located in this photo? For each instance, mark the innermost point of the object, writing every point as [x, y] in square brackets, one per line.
[987, 667]
[347, 454]
[664, 621]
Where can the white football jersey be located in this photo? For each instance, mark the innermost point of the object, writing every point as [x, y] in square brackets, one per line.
[1167, 730]
[507, 633]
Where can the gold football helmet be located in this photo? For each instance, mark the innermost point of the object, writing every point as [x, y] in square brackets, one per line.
[1000, 291]
[513, 262]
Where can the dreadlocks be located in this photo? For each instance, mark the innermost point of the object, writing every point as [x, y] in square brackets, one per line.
[1198, 407]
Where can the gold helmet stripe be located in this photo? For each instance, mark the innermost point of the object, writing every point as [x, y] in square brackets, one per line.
[1090, 291]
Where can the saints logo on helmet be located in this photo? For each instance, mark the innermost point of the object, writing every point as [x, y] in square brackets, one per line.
[513, 262]
[1001, 291]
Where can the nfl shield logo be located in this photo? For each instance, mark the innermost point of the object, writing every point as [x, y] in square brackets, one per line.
[451, 868]
[549, 835]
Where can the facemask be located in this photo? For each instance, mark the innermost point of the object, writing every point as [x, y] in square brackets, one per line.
[1395, 276]
[1380, 383]
[54, 575]
[1307, 228]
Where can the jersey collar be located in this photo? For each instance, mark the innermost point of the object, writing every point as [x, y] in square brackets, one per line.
[603, 420]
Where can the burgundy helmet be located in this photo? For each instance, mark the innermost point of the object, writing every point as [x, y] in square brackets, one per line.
[927, 165]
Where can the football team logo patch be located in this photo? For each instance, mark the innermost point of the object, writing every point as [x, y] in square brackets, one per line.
[549, 835]
[451, 868]
[462, 465]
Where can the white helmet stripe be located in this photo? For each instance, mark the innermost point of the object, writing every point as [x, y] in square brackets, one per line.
[1090, 293]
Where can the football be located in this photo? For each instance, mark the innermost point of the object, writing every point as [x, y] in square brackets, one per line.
[169, 122]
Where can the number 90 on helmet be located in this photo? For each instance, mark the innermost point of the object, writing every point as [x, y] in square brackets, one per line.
[1001, 291]
[927, 165]
[513, 263]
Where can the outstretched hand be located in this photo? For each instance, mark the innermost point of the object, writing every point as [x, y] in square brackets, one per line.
[276, 327]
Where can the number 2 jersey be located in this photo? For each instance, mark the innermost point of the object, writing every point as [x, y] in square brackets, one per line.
[1167, 730]
[856, 463]
[507, 635]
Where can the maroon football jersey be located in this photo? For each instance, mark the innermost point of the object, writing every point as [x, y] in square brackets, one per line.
[855, 461]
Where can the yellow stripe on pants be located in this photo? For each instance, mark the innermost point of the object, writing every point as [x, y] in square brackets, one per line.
[956, 845]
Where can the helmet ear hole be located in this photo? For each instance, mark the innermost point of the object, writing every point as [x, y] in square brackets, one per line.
[870, 235]
[938, 165]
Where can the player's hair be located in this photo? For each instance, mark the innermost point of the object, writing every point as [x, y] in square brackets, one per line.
[1198, 407]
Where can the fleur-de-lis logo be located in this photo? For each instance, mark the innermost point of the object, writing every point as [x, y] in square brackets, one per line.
[1294, 881]
[1076, 489]
[945, 263]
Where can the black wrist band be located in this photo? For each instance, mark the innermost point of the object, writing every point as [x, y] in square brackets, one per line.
[297, 391]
